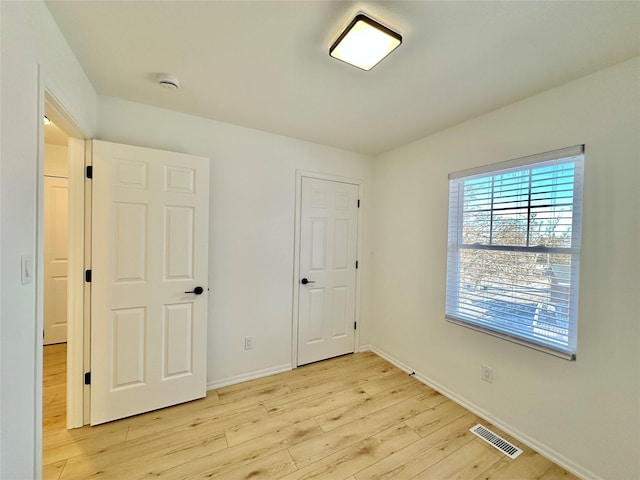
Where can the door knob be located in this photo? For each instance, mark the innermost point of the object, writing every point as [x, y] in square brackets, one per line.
[197, 290]
[304, 281]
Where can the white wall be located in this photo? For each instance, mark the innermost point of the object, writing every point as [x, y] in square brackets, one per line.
[586, 413]
[56, 160]
[29, 38]
[251, 224]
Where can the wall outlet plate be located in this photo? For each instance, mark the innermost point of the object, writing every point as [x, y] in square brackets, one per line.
[248, 343]
[486, 373]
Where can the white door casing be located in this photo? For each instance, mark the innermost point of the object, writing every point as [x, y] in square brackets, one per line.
[55, 218]
[149, 247]
[327, 260]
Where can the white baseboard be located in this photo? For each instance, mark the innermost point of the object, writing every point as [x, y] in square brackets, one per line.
[245, 377]
[536, 445]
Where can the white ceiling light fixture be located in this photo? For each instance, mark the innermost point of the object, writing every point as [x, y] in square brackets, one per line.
[168, 81]
[364, 43]
[46, 120]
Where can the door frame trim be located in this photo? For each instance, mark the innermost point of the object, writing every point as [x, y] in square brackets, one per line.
[300, 174]
[75, 277]
[76, 286]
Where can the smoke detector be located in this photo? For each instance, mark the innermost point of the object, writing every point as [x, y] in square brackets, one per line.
[168, 81]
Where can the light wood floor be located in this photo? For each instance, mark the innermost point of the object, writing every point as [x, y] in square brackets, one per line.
[354, 418]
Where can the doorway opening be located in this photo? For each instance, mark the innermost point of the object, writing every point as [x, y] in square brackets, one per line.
[61, 260]
[55, 258]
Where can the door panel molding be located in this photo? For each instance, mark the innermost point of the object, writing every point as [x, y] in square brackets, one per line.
[300, 174]
[149, 258]
[56, 257]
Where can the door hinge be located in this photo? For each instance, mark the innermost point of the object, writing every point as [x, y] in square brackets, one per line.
[358, 203]
[356, 264]
[355, 325]
[87, 276]
[89, 171]
[87, 378]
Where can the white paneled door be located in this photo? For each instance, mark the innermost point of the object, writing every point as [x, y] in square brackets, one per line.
[328, 253]
[149, 279]
[56, 214]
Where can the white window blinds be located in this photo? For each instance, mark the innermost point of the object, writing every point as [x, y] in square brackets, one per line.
[514, 249]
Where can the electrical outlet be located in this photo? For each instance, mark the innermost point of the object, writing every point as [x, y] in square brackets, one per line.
[486, 373]
[248, 343]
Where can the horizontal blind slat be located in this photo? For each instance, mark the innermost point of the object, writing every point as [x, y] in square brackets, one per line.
[517, 223]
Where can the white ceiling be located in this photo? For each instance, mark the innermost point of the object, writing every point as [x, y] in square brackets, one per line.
[265, 64]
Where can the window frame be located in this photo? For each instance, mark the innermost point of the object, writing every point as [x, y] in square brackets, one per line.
[455, 246]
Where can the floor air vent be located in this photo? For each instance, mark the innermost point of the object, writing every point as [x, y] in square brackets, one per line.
[498, 442]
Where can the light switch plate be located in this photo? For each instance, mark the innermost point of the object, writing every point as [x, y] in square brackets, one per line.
[27, 269]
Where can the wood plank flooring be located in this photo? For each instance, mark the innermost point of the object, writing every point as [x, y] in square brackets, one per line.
[350, 418]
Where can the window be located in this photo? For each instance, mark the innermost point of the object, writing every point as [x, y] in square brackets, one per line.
[514, 249]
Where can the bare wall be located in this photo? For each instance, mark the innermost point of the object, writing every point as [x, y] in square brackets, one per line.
[585, 413]
[56, 160]
[556, 403]
[31, 45]
[251, 234]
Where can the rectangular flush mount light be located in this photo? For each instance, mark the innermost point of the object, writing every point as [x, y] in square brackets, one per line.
[364, 43]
